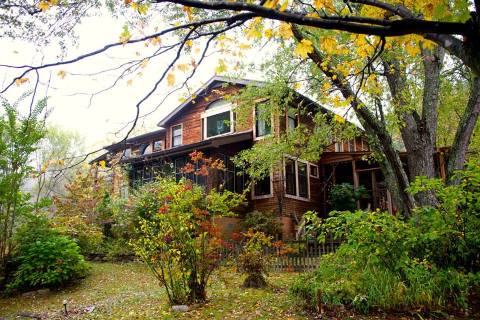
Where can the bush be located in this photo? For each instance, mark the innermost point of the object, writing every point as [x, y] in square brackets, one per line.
[253, 261]
[45, 258]
[379, 266]
[265, 222]
[176, 236]
[344, 196]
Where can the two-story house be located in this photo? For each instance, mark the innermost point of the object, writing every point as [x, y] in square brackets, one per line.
[207, 122]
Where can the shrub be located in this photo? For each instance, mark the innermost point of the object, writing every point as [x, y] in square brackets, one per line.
[176, 236]
[265, 222]
[344, 196]
[379, 266]
[45, 258]
[253, 261]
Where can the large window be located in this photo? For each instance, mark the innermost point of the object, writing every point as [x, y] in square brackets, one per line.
[217, 119]
[263, 123]
[296, 178]
[177, 135]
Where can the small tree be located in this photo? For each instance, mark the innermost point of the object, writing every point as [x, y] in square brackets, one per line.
[18, 140]
[176, 235]
[253, 261]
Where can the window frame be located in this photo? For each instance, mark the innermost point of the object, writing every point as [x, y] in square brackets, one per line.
[255, 130]
[265, 196]
[297, 192]
[172, 136]
[310, 165]
[161, 141]
[209, 113]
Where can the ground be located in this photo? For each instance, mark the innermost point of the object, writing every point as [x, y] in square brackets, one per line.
[129, 291]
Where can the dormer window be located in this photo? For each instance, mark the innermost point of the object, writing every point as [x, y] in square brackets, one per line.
[217, 119]
[177, 135]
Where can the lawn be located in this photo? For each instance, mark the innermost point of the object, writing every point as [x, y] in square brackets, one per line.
[129, 291]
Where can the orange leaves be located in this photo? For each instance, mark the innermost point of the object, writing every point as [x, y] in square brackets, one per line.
[303, 48]
[189, 12]
[21, 81]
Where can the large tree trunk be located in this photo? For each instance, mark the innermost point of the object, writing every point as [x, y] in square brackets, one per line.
[458, 152]
[397, 181]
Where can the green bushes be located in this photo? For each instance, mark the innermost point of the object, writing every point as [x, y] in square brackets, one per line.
[375, 268]
[253, 261]
[344, 196]
[45, 258]
[265, 222]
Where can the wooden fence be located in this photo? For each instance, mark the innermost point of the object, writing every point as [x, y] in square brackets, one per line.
[303, 256]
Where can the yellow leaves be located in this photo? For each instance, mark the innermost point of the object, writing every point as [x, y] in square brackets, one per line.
[61, 74]
[268, 33]
[21, 81]
[102, 164]
[129, 82]
[43, 5]
[170, 79]
[189, 12]
[222, 67]
[329, 44]
[141, 8]
[253, 31]
[339, 119]
[143, 64]
[244, 46]
[125, 35]
[156, 41]
[285, 31]
[189, 43]
[284, 6]
[183, 67]
[47, 4]
[323, 4]
[303, 48]
[271, 4]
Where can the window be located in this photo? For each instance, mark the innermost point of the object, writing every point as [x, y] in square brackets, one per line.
[338, 146]
[127, 153]
[290, 179]
[292, 121]
[179, 165]
[217, 119]
[314, 171]
[296, 178]
[177, 135]
[263, 187]
[145, 149]
[302, 176]
[351, 145]
[263, 124]
[158, 145]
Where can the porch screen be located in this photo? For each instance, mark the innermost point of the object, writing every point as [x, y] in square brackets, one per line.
[218, 124]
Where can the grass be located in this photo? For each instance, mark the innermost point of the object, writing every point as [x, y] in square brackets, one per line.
[129, 291]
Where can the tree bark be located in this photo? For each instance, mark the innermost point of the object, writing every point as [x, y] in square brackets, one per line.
[458, 152]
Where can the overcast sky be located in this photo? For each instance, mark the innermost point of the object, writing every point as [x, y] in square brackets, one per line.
[98, 120]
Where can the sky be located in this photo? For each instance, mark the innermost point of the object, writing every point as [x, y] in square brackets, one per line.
[102, 119]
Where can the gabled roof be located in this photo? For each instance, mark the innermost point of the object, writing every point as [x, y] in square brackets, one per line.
[134, 140]
[214, 82]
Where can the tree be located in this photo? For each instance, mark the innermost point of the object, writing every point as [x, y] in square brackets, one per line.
[448, 24]
[53, 159]
[19, 138]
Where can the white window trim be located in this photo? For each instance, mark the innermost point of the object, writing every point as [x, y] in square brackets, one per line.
[171, 135]
[354, 145]
[338, 146]
[310, 165]
[254, 197]
[297, 197]
[255, 137]
[212, 112]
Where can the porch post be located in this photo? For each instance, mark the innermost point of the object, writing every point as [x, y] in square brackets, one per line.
[355, 179]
